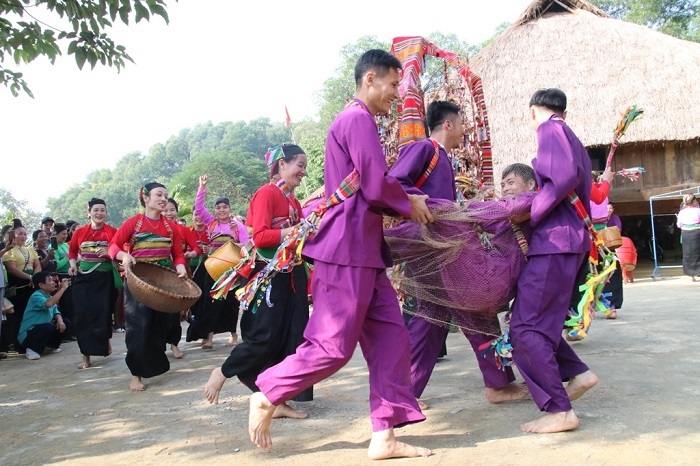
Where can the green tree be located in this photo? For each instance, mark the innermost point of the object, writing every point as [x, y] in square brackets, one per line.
[311, 136]
[24, 38]
[678, 18]
[233, 175]
[340, 88]
[434, 73]
[11, 208]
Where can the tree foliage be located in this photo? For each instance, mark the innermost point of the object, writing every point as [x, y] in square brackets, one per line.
[24, 37]
[11, 208]
[678, 18]
[231, 153]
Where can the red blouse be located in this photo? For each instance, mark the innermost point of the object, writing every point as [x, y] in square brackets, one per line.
[124, 233]
[270, 203]
[87, 234]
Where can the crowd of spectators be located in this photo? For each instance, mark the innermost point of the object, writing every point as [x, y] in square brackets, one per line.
[37, 305]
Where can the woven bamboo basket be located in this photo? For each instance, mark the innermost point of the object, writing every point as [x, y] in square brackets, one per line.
[160, 288]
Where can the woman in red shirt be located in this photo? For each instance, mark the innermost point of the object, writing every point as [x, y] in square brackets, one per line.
[273, 326]
[147, 237]
[95, 283]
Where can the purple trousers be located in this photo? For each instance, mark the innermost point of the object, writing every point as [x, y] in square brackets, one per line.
[352, 304]
[426, 341]
[542, 355]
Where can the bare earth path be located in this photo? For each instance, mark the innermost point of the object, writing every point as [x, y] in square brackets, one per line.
[645, 409]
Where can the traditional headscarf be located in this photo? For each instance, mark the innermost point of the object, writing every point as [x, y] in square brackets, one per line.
[281, 152]
[95, 201]
[143, 192]
[222, 200]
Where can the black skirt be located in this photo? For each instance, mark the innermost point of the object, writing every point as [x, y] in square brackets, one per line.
[94, 295]
[146, 334]
[614, 287]
[691, 252]
[212, 315]
[273, 332]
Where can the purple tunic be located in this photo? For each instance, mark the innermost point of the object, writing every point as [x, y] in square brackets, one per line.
[353, 142]
[353, 298]
[558, 248]
[412, 162]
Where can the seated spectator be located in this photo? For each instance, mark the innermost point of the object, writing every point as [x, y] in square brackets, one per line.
[42, 324]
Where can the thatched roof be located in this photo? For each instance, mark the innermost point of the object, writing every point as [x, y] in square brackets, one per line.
[604, 65]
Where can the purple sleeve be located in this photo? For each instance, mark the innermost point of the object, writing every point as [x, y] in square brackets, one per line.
[555, 168]
[378, 188]
[243, 236]
[200, 209]
[410, 165]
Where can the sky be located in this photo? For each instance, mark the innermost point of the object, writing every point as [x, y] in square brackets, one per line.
[217, 60]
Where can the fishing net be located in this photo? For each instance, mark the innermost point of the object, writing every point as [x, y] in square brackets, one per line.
[464, 267]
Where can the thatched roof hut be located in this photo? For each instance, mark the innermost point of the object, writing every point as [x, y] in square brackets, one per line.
[604, 65]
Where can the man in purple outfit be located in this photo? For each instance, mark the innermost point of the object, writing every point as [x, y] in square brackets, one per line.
[353, 298]
[558, 249]
[424, 167]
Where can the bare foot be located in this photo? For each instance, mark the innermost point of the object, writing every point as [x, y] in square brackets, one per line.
[259, 420]
[580, 384]
[86, 362]
[136, 385]
[577, 337]
[612, 315]
[423, 406]
[208, 343]
[284, 410]
[177, 352]
[214, 385]
[384, 445]
[232, 340]
[511, 392]
[552, 422]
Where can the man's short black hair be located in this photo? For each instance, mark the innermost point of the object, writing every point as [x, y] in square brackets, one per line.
[40, 277]
[520, 169]
[439, 111]
[376, 60]
[554, 99]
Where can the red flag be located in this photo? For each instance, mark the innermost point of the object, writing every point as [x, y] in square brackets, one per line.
[287, 120]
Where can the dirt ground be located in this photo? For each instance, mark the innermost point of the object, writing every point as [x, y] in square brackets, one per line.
[644, 410]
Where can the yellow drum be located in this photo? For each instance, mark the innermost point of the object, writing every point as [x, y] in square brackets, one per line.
[224, 258]
[611, 237]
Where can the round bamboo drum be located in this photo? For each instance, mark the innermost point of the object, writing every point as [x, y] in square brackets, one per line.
[611, 237]
[224, 258]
